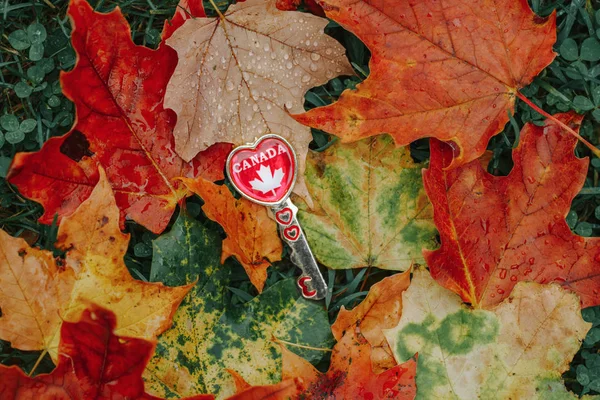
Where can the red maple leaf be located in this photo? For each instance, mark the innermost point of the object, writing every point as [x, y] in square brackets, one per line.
[118, 90]
[93, 363]
[497, 231]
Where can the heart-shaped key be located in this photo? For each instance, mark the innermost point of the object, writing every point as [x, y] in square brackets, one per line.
[265, 172]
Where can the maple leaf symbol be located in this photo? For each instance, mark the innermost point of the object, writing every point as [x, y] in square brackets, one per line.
[268, 181]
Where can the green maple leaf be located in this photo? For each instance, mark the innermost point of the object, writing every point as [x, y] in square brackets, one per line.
[209, 337]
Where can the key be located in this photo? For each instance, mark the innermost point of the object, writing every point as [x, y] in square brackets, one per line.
[265, 172]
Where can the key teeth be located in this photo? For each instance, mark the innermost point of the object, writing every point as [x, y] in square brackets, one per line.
[307, 290]
[305, 287]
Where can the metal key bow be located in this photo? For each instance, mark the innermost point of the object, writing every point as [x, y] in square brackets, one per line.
[265, 172]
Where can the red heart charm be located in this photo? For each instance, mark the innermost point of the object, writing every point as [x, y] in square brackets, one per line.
[265, 171]
[302, 284]
[285, 216]
[291, 233]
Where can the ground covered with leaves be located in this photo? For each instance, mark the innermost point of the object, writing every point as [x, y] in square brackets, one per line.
[212, 264]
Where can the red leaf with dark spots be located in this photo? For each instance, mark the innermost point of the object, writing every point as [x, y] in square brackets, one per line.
[118, 90]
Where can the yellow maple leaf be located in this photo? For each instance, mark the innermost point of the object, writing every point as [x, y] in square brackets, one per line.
[39, 292]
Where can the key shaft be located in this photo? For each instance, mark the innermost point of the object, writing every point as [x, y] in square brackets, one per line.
[311, 281]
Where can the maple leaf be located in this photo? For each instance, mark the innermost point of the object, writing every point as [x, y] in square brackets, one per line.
[448, 70]
[268, 181]
[251, 235]
[209, 335]
[118, 90]
[370, 206]
[94, 363]
[185, 10]
[381, 309]
[350, 375]
[497, 231]
[37, 295]
[284, 390]
[517, 350]
[238, 76]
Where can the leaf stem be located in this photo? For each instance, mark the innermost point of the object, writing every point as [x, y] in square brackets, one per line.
[37, 363]
[560, 123]
[276, 340]
[217, 9]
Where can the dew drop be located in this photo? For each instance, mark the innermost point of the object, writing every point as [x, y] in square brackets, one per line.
[513, 278]
[266, 47]
[531, 261]
[288, 104]
[313, 67]
[530, 179]
[229, 86]
[306, 78]
[503, 273]
[273, 55]
[315, 56]
[286, 56]
[500, 291]
[328, 51]
[255, 108]
[289, 65]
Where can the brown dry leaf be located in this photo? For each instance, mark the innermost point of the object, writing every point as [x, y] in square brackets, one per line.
[381, 309]
[251, 235]
[37, 294]
[238, 76]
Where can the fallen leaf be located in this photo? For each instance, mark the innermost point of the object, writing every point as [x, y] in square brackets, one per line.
[251, 235]
[370, 206]
[520, 347]
[94, 363]
[283, 390]
[209, 336]
[350, 375]
[185, 10]
[497, 231]
[118, 90]
[32, 290]
[238, 76]
[37, 295]
[446, 70]
[292, 5]
[381, 309]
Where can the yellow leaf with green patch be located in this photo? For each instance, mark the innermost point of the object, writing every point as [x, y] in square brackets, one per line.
[370, 206]
[209, 335]
[518, 350]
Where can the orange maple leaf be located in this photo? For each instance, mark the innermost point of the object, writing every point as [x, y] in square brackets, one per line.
[497, 231]
[448, 70]
[381, 309]
[251, 235]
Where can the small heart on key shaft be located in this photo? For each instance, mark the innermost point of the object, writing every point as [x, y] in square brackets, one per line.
[292, 233]
[305, 286]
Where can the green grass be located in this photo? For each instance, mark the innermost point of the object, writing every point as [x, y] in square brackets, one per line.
[34, 48]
